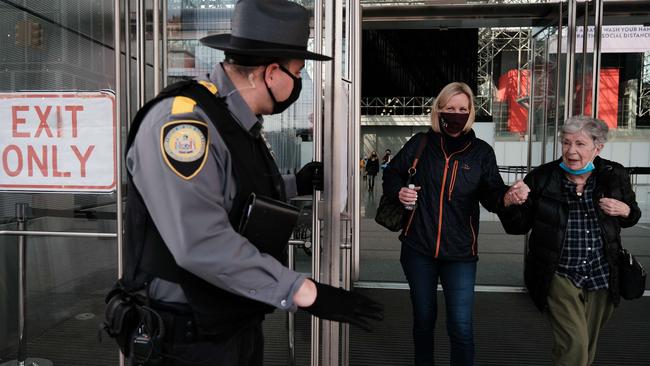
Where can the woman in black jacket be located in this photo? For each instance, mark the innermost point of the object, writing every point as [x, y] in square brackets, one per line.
[575, 211]
[372, 168]
[456, 170]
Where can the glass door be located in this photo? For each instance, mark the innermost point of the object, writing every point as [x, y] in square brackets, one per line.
[501, 57]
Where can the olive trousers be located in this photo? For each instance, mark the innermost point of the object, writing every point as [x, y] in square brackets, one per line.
[576, 317]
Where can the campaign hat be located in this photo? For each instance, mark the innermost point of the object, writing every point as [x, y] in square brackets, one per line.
[267, 28]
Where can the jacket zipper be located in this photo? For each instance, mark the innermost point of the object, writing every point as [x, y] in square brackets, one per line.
[442, 191]
[454, 173]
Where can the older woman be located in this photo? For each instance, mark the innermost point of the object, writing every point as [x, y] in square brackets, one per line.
[456, 171]
[575, 211]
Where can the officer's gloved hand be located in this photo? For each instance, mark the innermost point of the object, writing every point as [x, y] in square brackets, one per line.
[337, 304]
[309, 177]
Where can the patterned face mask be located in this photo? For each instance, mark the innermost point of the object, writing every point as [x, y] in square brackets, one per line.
[453, 123]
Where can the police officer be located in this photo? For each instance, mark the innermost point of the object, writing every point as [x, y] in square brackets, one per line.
[191, 167]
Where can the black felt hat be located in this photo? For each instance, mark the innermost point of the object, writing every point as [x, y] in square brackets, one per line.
[267, 28]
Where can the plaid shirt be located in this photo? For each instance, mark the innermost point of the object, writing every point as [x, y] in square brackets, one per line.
[583, 261]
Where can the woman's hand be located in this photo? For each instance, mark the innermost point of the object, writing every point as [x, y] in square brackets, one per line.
[517, 194]
[614, 207]
[408, 196]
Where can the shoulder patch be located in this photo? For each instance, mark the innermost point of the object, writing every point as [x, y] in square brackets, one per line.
[184, 146]
[183, 105]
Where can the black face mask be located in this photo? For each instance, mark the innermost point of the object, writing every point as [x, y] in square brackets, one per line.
[279, 107]
[453, 123]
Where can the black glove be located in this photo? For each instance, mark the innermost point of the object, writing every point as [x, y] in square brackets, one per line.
[309, 177]
[337, 304]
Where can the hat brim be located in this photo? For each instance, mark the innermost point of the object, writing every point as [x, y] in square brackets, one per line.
[222, 42]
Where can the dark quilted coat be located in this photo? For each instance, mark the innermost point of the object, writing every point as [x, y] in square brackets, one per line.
[545, 214]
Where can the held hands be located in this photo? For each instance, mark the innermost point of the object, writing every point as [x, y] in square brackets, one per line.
[517, 194]
[614, 207]
[408, 196]
[339, 305]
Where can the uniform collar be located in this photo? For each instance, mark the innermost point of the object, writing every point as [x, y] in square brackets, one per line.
[236, 104]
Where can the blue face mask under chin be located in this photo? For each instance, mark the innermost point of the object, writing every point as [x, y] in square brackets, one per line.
[589, 167]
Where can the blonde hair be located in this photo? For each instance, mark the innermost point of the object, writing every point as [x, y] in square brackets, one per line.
[443, 98]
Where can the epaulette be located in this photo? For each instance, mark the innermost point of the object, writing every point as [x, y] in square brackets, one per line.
[182, 104]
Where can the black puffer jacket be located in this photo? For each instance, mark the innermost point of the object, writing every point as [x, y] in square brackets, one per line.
[546, 213]
[445, 223]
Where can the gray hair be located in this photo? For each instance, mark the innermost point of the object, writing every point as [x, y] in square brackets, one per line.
[593, 127]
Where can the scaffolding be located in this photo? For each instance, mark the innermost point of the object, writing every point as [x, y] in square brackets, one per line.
[492, 42]
[644, 89]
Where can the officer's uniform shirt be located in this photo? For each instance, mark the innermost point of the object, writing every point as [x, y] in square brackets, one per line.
[192, 214]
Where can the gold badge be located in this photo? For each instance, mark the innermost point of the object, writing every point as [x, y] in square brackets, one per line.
[184, 146]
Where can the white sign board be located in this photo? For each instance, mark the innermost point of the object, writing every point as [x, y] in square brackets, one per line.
[615, 39]
[58, 141]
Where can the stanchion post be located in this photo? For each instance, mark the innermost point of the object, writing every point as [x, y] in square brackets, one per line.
[291, 317]
[21, 210]
[22, 360]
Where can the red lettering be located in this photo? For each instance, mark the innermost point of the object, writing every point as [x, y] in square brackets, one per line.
[73, 109]
[55, 165]
[59, 122]
[5, 160]
[83, 159]
[32, 158]
[43, 118]
[15, 120]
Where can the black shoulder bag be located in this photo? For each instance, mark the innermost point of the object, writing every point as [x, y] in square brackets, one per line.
[390, 209]
[631, 276]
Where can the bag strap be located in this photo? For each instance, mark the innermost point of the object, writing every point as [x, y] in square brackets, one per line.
[423, 143]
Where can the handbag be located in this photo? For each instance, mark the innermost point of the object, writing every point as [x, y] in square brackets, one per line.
[390, 210]
[631, 276]
[268, 224]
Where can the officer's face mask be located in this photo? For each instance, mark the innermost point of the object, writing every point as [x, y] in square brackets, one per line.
[279, 107]
[453, 123]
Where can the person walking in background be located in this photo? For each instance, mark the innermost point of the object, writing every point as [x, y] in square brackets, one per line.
[386, 159]
[456, 170]
[362, 168]
[372, 168]
[575, 211]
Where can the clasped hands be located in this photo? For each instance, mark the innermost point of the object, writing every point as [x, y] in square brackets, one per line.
[517, 194]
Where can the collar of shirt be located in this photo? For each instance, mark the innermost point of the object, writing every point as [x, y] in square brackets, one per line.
[236, 104]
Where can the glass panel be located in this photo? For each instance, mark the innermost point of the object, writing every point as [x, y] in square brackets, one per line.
[496, 62]
[56, 46]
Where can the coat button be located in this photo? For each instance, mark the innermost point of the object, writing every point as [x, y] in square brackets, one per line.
[283, 303]
[252, 292]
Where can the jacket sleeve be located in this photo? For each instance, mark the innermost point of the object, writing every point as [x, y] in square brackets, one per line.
[396, 171]
[518, 219]
[492, 188]
[629, 198]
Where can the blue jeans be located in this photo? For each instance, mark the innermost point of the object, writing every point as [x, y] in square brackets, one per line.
[457, 278]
